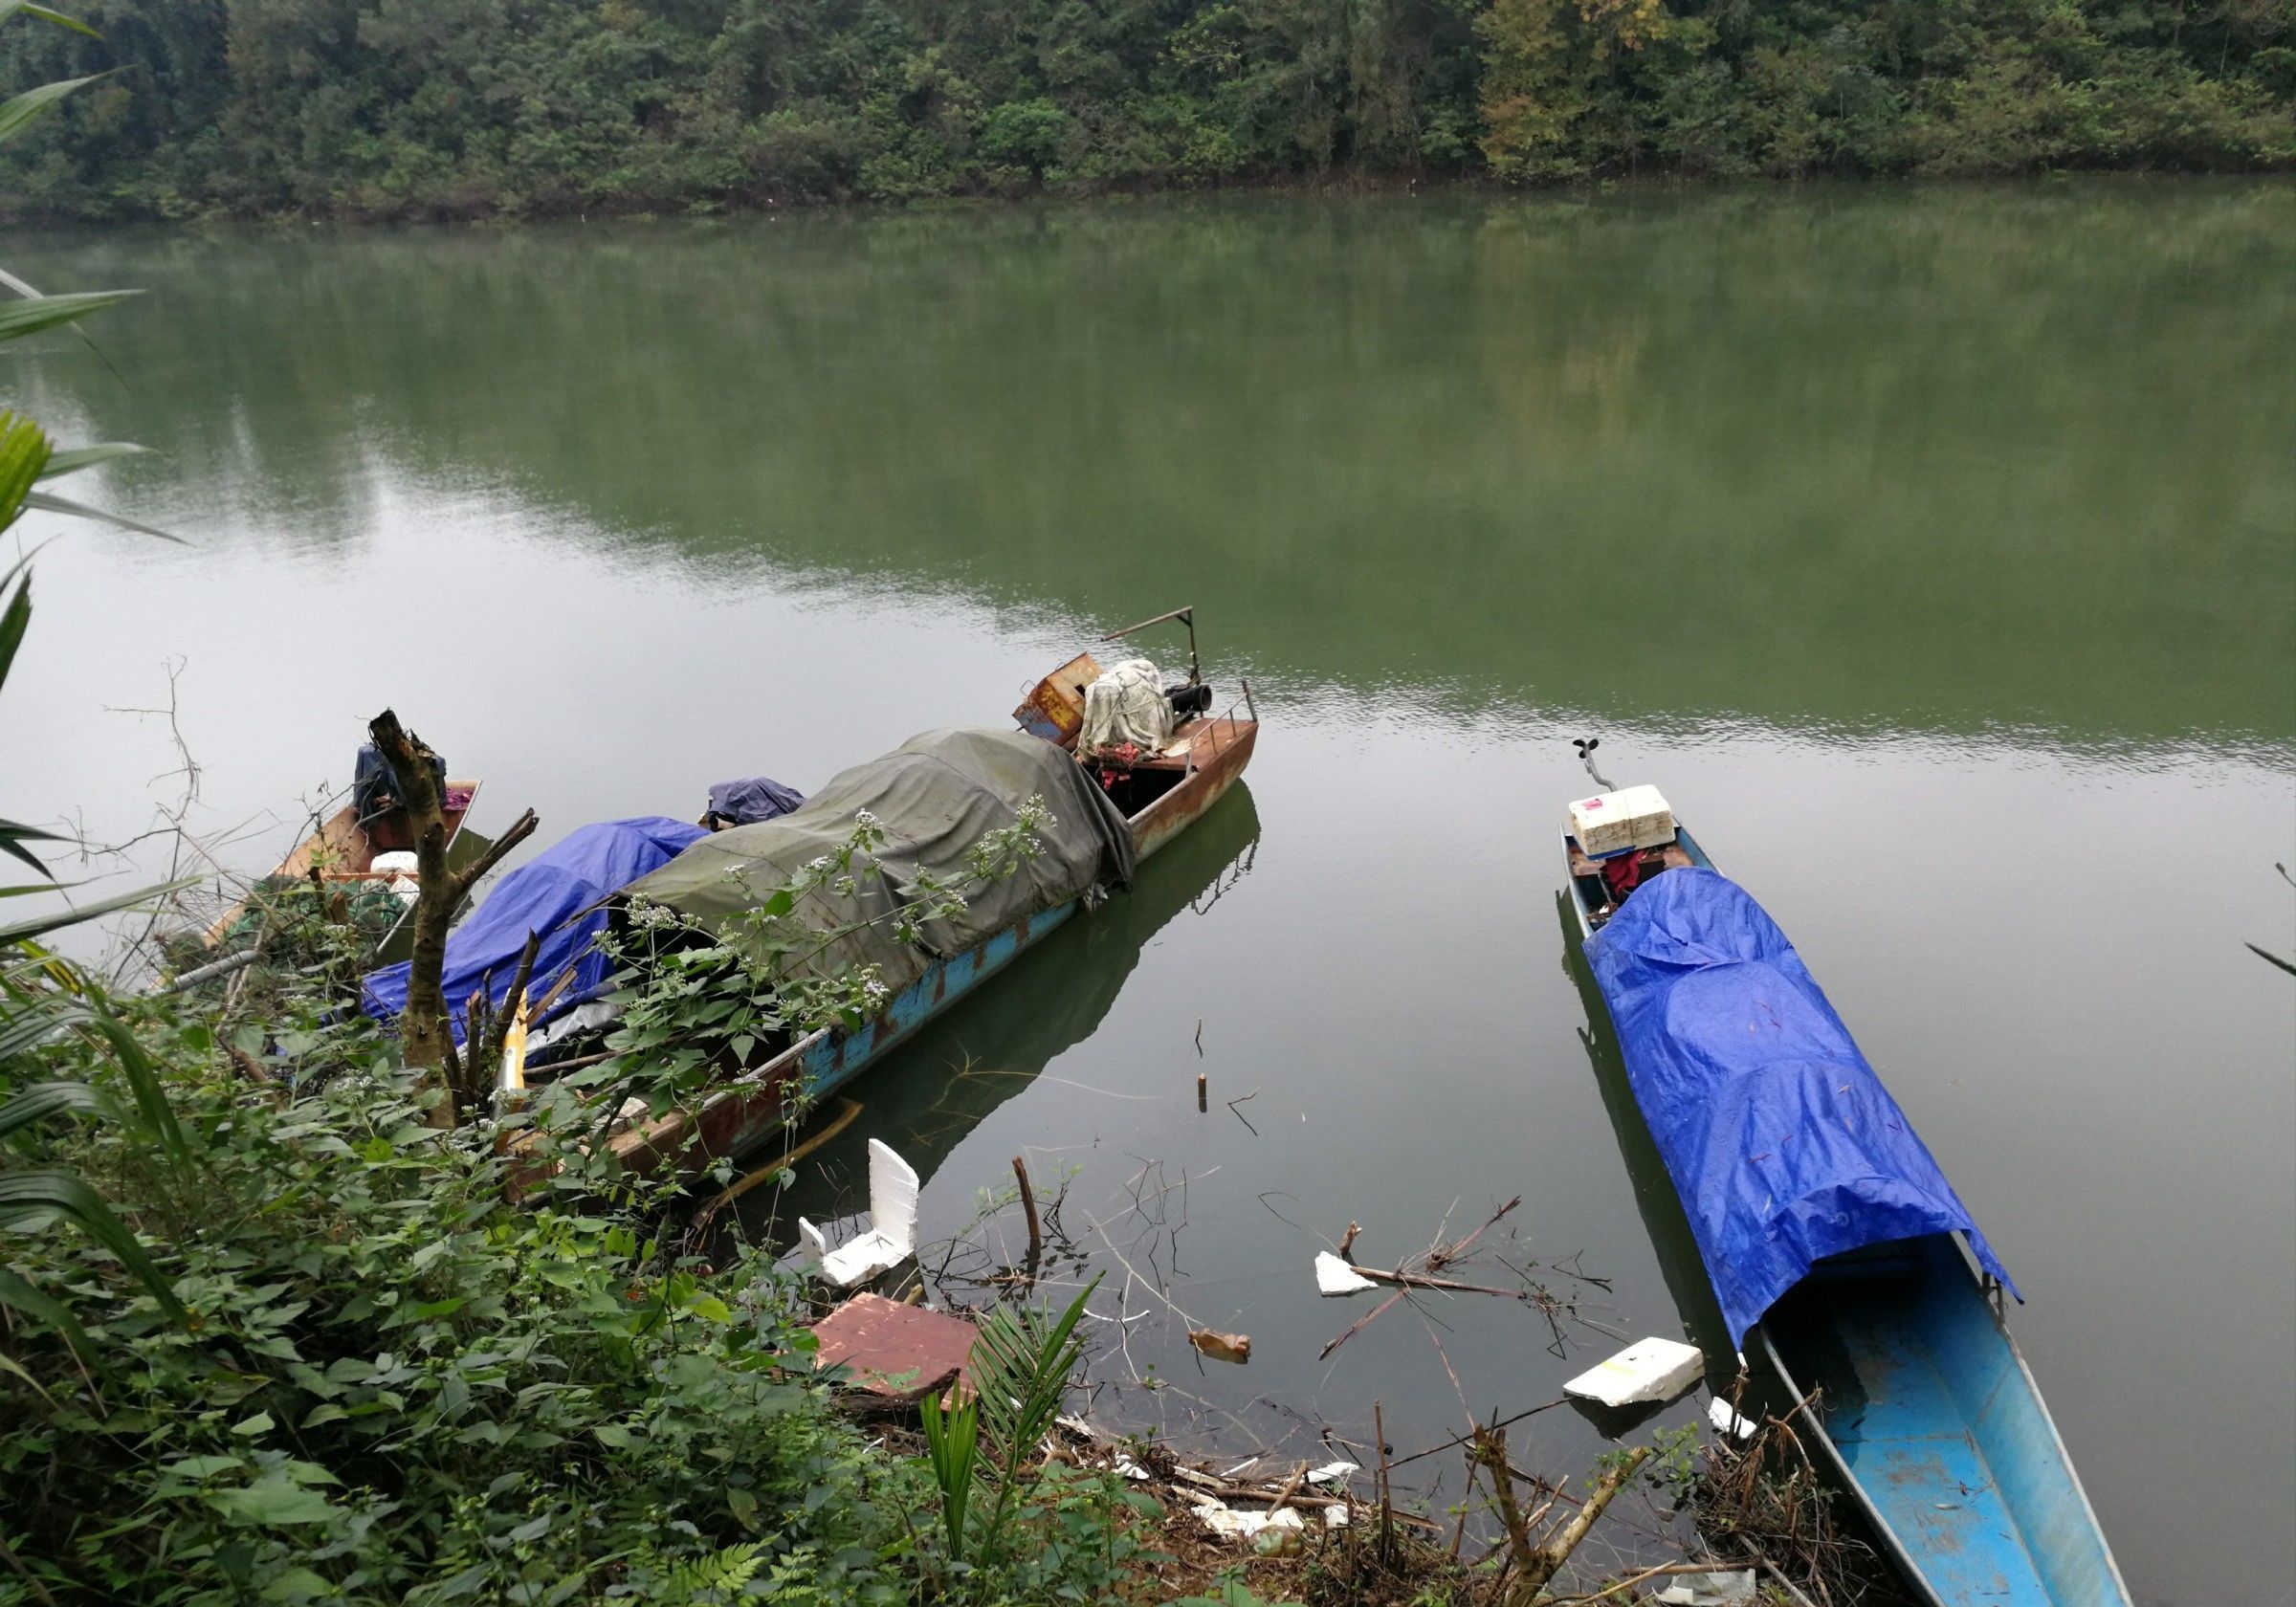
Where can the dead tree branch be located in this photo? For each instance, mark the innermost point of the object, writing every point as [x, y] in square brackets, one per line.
[424, 1026]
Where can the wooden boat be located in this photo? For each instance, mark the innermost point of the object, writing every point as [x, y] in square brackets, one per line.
[1161, 795]
[1898, 1357]
[343, 849]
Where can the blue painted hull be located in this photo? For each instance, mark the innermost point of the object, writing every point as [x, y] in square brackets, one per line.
[1935, 1426]
[751, 1111]
[1930, 1419]
[832, 1059]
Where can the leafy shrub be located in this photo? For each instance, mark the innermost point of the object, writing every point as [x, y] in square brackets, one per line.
[392, 1386]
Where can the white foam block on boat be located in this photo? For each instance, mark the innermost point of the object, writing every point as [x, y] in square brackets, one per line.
[1334, 1276]
[1648, 1369]
[892, 1236]
[1611, 823]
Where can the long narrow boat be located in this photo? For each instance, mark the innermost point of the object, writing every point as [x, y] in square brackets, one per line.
[1159, 794]
[1839, 1256]
[343, 849]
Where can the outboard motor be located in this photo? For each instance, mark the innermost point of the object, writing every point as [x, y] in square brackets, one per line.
[1188, 700]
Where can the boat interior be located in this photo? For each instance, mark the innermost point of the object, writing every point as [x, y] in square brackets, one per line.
[342, 848]
[1598, 898]
[1929, 1408]
[1054, 710]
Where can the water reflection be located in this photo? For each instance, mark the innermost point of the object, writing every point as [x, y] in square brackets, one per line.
[1951, 460]
[1677, 1252]
[991, 1047]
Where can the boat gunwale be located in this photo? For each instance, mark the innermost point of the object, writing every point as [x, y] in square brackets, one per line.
[672, 1139]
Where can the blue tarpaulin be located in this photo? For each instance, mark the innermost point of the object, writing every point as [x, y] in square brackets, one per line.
[1783, 1144]
[549, 894]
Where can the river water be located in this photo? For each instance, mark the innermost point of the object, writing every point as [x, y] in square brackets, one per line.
[1934, 549]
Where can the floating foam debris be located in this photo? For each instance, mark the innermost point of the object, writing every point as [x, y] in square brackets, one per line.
[1645, 1371]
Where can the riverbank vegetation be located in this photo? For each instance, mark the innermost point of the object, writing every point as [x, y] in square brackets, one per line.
[395, 109]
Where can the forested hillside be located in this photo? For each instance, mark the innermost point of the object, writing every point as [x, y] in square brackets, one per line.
[469, 107]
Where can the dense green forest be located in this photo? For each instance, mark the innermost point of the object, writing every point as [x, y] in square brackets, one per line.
[468, 107]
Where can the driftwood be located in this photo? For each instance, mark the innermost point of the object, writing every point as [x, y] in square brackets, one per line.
[1036, 1228]
[1350, 1332]
[424, 1027]
[1444, 1255]
[1293, 1491]
[517, 991]
[1419, 1280]
[1537, 1562]
[1437, 1255]
[697, 1229]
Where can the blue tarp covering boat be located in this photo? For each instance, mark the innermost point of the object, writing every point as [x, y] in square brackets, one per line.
[555, 893]
[1783, 1144]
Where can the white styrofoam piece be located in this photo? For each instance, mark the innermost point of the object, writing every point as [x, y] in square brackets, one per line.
[1610, 823]
[1334, 1276]
[891, 1196]
[1726, 1420]
[1224, 1520]
[1333, 1472]
[1648, 1369]
[1731, 1587]
[862, 1258]
[892, 1236]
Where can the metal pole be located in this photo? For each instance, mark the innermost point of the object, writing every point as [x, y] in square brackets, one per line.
[1186, 616]
[222, 967]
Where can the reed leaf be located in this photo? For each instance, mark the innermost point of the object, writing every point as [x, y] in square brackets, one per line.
[73, 460]
[11, 7]
[21, 1297]
[42, 1100]
[18, 110]
[57, 920]
[31, 315]
[49, 502]
[30, 1196]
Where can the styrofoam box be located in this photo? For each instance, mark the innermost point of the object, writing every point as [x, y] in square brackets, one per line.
[1635, 817]
[1650, 1369]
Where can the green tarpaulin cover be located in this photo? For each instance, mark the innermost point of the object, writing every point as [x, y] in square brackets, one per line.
[935, 796]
